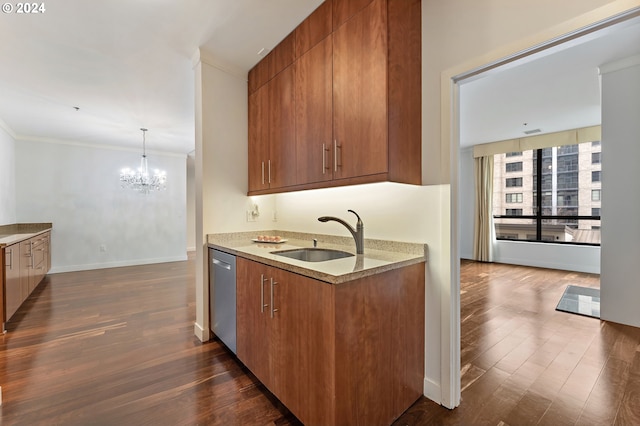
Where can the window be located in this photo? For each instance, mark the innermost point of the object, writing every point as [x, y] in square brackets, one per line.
[514, 167]
[514, 182]
[514, 198]
[552, 195]
[514, 154]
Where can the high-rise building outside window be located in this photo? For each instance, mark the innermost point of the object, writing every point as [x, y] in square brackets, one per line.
[558, 199]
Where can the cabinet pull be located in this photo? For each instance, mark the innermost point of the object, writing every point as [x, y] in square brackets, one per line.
[262, 304]
[324, 159]
[263, 172]
[269, 171]
[335, 155]
[10, 265]
[273, 310]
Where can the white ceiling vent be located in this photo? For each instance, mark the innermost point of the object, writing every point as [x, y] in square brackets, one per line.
[530, 132]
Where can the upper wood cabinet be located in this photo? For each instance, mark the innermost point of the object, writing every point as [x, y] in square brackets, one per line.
[272, 150]
[357, 98]
[360, 93]
[314, 114]
[314, 29]
[345, 9]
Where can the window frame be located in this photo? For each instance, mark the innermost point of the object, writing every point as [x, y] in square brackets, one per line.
[539, 217]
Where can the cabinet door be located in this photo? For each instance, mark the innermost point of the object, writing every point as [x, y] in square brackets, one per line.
[304, 354]
[258, 150]
[281, 164]
[27, 271]
[315, 28]
[345, 9]
[314, 114]
[13, 289]
[360, 93]
[253, 314]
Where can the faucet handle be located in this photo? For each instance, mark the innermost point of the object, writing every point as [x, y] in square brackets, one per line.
[315, 242]
[359, 220]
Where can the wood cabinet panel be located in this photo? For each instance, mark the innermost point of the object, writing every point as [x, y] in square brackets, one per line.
[258, 149]
[315, 28]
[25, 265]
[27, 271]
[282, 142]
[404, 98]
[13, 286]
[252, 316]
[345, 9]
[314, 114]
[259, 74]
[360, 93]
[282, 55]
[380, 334]
[334, 354]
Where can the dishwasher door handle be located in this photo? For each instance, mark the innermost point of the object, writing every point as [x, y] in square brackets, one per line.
[221, 264]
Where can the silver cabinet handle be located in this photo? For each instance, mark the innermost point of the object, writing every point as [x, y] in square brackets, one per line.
[221, 264]
[269, 171]
[262, 305]
[263, 172]
[323, 160]
[273, 310]
[10, 265]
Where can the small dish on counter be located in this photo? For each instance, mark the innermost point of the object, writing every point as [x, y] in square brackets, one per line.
[269, 239]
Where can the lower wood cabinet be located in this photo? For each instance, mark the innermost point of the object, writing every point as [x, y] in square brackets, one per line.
[351, 353]
[25, 265]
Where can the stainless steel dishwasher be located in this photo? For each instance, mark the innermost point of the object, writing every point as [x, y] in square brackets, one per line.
[222, 296]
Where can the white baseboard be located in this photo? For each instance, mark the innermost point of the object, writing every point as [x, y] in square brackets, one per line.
[116, 264]
[432, 391]
[200, 332]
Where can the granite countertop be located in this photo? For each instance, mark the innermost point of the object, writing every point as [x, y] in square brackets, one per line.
[11, 234]
[379, 255]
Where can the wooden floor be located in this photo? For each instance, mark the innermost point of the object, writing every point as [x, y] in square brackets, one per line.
[116, 346]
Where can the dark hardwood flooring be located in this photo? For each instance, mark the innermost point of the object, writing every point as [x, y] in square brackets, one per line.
[116, 347]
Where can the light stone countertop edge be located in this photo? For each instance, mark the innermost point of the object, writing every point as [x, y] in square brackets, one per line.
[15, 233]
[379, 255]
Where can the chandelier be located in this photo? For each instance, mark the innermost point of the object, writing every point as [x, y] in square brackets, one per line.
[141, 180]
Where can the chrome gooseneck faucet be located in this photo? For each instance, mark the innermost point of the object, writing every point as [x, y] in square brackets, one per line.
[358, 233]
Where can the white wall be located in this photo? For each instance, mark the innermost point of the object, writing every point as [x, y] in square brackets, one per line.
[191, 202]
[620, 292]
[221, 176]
[7, 178]
[77, 188]
[542, 255]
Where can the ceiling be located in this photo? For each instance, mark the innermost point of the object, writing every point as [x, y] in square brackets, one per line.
[555, 90]
[126, 64]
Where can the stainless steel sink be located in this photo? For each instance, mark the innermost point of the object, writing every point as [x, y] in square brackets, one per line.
[313, 254]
